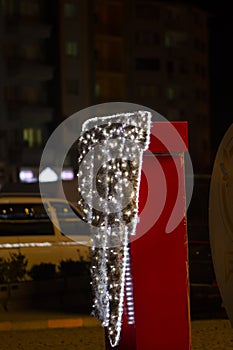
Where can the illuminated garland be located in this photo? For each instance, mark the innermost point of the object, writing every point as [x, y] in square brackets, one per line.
[109, 166]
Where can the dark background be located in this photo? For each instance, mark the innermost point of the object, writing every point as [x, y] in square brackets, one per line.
[221, 68]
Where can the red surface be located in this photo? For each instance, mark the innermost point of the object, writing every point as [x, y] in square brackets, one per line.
[159, 259]
[167, 136]
[128, 336]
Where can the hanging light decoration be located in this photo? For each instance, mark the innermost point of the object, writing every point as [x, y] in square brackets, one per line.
[110, 152]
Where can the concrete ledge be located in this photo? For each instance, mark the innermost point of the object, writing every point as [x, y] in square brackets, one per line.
[50, 323]
[5, 326]
[65, 323]
[34, 324]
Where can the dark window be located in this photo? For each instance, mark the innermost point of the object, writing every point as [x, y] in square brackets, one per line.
[170, 68]
[201, 266]
[70, 10]
[147, 64]
[73, 86]
[21, 211]
[184, 69]
[149, 11]
[156, 38]
[26, 228]
[145, 38]
[27, 219]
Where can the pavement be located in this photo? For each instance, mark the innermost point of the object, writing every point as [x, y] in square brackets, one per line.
[215, 334]
[24, 320]
[43, 329]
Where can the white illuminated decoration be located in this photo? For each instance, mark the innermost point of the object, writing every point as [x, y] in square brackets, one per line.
[26, 175]
[48, 175]
[110, 153]
[67, 174]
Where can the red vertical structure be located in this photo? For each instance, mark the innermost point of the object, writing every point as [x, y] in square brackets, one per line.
[159, 256]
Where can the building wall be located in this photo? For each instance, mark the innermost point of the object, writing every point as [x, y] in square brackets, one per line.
[75, 53]
[59, 57]
[109, 51]
[168, 68]
[28, 67]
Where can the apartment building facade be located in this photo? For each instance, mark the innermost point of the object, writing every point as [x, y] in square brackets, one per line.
[58, 57]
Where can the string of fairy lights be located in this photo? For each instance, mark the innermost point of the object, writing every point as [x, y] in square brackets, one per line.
[110, 151]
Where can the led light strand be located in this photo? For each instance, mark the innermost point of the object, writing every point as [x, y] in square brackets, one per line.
[109, 169]
[129, 290]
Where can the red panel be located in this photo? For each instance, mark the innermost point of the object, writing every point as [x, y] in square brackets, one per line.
[128, 336]
[159, 259]
[169, 137]
[159, 267]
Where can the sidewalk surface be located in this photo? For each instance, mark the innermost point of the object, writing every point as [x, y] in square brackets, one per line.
[47, 329]
[216, 334]
[22, 320]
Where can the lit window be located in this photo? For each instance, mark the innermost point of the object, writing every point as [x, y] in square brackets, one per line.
[32, 137]
[48, 175]
[97, 90]
[8, 7]
[38, 136]
[167, 41]
[67, 174]
[27, 175]
[69, 10]
[170, 94]
[71, 48]
[3, 6]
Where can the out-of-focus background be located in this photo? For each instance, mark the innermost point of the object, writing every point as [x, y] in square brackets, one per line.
[60, 56]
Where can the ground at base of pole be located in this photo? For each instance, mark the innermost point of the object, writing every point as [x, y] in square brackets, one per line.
[71, 332]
